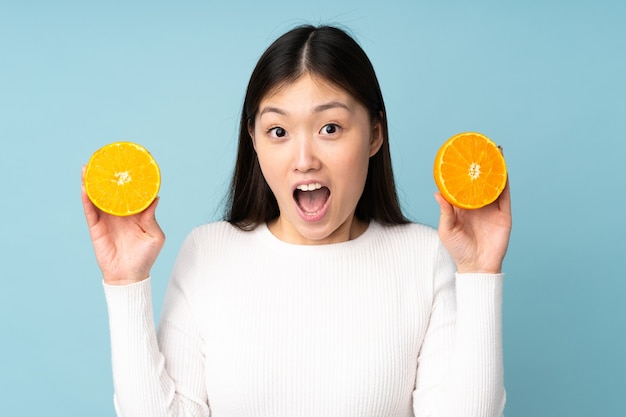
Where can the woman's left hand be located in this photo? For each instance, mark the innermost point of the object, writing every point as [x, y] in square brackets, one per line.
[477, 239]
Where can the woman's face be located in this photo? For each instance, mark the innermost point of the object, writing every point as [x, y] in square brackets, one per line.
[314, 141]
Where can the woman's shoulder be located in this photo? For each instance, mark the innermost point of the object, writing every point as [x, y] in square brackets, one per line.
[220, 226]
[218, 231]
[413, 231]
[403, 239]
[215, 239]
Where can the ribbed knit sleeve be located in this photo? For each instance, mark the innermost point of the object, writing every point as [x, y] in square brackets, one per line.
[145, 382]
[478, 361]
[460, 366]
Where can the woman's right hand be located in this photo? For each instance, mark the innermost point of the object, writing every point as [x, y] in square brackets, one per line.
[126, 247]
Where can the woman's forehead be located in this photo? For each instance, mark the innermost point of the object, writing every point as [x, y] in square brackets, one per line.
[309, 78]
[308, 90]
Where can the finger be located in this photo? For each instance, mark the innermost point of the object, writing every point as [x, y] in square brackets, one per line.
[446, 215]
[92, 214]
[504, 200]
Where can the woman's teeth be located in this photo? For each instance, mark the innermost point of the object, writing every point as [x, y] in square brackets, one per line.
[309, 187]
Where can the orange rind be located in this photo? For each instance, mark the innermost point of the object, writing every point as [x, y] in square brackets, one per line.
[470, 170]
[122, 178]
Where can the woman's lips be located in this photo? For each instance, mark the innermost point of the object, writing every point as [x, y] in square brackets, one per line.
[312, 201]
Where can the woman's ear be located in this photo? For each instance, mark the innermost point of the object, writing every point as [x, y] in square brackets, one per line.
[251, 133]
[376, 140]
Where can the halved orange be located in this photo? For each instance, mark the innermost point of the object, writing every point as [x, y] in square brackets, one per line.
[122, 178]
[470, 170]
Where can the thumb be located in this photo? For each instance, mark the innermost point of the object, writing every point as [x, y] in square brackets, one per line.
[148, 219]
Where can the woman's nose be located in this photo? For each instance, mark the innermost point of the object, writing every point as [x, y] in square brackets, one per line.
[305, 154]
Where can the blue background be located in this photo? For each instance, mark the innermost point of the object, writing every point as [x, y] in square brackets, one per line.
[545, 79]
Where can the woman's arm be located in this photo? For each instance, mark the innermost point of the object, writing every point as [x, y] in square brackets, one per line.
[460, 371]
[147, 373]
[460, 366]
[154, 376]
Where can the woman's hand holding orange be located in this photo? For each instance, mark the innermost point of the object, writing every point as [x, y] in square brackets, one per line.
[126, 247]
[477, 239]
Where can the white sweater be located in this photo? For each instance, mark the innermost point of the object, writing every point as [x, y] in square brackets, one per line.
[252, 326]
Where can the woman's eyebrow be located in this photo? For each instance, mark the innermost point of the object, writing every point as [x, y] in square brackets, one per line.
[317, 109]
[331, 105]
[271, 109]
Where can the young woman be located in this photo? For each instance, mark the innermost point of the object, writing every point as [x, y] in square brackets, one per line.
[316, 296]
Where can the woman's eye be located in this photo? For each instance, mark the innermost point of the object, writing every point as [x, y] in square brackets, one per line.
[330, 129]
[278, 132]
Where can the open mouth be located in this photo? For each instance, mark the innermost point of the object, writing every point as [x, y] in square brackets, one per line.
[311, 198]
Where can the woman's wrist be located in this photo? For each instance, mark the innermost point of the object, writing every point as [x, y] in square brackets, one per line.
[115, 281]
[479, 269]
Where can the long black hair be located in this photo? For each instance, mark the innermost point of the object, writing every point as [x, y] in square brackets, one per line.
[331, 54]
